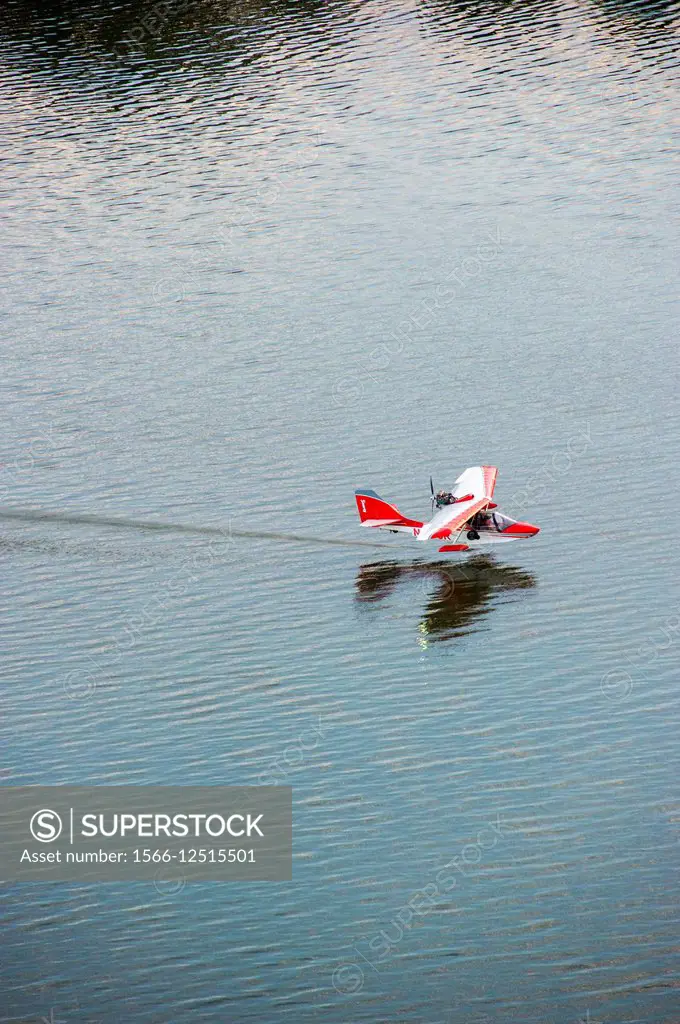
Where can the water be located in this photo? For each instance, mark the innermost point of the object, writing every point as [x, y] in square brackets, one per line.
[256, 255]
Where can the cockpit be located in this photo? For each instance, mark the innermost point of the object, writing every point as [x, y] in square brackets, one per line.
[491, 522]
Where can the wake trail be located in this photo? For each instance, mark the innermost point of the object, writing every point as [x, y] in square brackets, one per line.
[85, 519]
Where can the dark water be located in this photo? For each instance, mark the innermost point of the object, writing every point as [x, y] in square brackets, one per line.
[256, 255]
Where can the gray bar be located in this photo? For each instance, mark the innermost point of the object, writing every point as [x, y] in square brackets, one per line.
[165, 834]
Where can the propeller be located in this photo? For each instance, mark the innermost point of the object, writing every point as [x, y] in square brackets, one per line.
[432, 493]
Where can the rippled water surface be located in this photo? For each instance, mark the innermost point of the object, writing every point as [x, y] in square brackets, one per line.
[256, 255]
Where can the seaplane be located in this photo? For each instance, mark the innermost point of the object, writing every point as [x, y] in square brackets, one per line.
[464, 518]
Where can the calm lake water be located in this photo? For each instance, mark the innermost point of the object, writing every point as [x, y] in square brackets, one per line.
[257, 255]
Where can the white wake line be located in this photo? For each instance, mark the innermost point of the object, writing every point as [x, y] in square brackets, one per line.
[78, 518]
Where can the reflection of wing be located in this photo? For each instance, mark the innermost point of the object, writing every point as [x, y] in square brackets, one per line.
[452, 518]
[459, 597]
[478, 480]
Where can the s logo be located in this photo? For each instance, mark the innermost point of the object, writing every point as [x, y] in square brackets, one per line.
[45, 826]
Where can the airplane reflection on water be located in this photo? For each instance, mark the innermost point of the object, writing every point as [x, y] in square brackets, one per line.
[463, 593]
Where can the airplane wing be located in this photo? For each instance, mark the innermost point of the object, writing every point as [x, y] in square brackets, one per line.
[478, 481]
[475, 486]
[451, 519]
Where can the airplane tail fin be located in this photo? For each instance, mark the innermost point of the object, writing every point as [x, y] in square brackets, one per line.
[373, 511]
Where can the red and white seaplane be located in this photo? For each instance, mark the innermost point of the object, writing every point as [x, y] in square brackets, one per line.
[464, 518]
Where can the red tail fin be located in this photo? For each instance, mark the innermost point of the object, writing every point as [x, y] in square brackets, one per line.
[373, 511]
